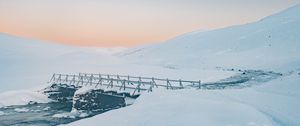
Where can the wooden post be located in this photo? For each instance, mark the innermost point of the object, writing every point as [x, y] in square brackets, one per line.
[140, 80]
[167, 83]
[154, 82]
[99, 82]
[59, 78]
[139, 88]
[67, 78]
[110, 84]
[118, 78]
[123, 85]
[73, 80]
[108, 77]
[180, 83]
[52, 78]
[151, 86]
[81, 79]
[91, 80]
[124, 82]
[128, 79]
[85, 76]
[199, 84]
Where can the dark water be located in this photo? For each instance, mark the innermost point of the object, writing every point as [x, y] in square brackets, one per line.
[41, 114]
[246, 79]
[36, 114]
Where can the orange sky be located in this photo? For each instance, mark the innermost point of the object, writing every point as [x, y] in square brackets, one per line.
[110, 23]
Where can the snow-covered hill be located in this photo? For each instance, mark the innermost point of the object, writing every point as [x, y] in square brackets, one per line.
[268, 43]
[272, 43]
[25, 63]
[29, 63]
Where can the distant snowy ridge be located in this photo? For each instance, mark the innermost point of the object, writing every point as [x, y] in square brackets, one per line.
[270, 42]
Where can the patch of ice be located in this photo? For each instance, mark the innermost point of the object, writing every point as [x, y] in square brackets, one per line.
[21, 109]
[47, 108]
[73, 114]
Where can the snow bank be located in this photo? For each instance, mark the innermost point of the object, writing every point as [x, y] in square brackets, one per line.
[278, 99]
[178, 108]
[21, 97]
[272, 103]
[73, 114]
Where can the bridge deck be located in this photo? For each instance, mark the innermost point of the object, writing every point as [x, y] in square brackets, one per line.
[132, 84]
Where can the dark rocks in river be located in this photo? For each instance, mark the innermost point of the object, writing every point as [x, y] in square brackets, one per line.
[97, 100]
[32, 103]
[60, 92]
[93, 100]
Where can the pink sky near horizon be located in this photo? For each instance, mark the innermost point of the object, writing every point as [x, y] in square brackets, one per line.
[115, 23]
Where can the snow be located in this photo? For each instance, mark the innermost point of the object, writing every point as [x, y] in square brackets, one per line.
[29, 63]
[278, 99]
[269, 44]
[46, 109]
[266, 44]
[22, 97]
[73, 114]
[177, 108]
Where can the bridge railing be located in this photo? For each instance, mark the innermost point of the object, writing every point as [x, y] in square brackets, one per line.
[122, 82]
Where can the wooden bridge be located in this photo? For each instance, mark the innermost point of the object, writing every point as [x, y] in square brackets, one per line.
[120, 83]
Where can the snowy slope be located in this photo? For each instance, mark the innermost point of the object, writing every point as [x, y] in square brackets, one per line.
[28, 63]
[270, 42]
[273, 103]
[25, 63]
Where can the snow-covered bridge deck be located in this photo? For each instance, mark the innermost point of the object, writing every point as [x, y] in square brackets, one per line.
[120, 83]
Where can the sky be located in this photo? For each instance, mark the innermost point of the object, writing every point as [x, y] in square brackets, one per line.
[126, 23]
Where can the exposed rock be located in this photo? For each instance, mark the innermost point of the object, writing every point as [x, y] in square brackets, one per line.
[60, 92]
[97, 100]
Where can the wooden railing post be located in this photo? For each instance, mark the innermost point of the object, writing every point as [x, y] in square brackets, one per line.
[167, 83]
[199, 84]
[123, 85]
[52, 78]
[99, 82]
[73, 80]
[180, 83]
[81, 80]
[118, 78]
[59, 78]
[128, 79]
[91, 80]
[154, 82]
[67, 78]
